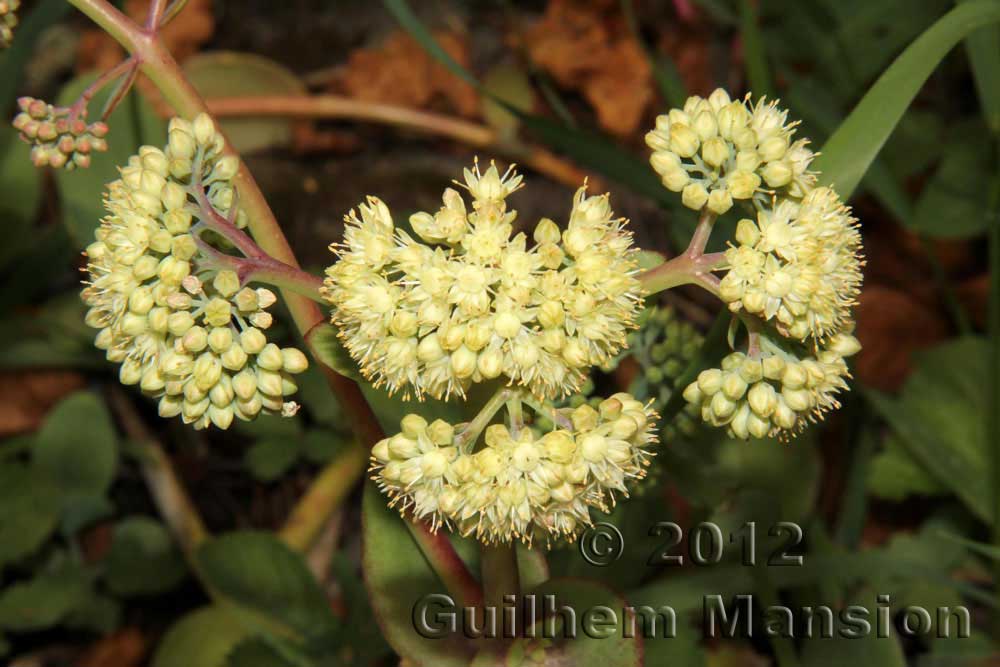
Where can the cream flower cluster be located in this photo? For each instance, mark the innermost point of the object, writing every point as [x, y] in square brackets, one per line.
[799, 265]
[773, 393]
[521, 485]
[718, 150]
[467, 303]
[56, 139]
[8, 21]
[192, 336]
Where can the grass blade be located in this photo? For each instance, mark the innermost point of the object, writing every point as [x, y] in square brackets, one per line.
[852, 148]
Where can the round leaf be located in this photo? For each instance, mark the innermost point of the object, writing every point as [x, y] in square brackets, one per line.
[259, 572]
[143, 559]
[203, 638]
[76, 446]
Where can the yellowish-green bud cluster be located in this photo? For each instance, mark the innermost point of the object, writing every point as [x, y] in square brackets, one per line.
[522, 484]
[799, 264]
[773, 393]
[716, 151]
[8, 21]
[467, 303]
[192, 336]
[57, 139]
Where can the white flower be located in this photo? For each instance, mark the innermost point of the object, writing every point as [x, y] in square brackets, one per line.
[470, 303]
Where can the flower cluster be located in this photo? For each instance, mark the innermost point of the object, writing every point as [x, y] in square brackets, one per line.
[467, 303]
[58, 138]
[799, 265]
[773, 393]
[796, 268]
[186, 333]
[521, 484]
[718, 150]
[8, 21]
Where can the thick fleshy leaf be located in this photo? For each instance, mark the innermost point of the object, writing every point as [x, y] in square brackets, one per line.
[398, 579]
[327, 348]
[260, 573]
[232, 74]
[602, 621]
[847, 155]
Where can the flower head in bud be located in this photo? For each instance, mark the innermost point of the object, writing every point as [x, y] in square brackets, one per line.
[774, 393]
[59, 138]
[738, 149]
[467, 302]
[184, 332]
[8, 21]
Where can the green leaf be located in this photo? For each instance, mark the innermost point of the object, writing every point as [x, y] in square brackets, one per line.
[361, 639]
[847, 154]
[20, 192]
[983, 47]
[758, 72]
[532, 566]
[203, 638]
[324, 343]
[143, 560]
[269, 459]
[83, 511]
[257, 652]
[77, 446]
[951, 205]
[895, 475]
[232, 74]
[29, 510]
[96, 613]
[593, 600]
[398, 577]
[938, 418]
[80, 191]
[259, 572]
[867, 649]
[45, 600]
[320, 445]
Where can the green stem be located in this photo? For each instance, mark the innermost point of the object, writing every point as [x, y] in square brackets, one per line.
[323, 497]
[684, 270]
[549, 411]
[471, 432]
